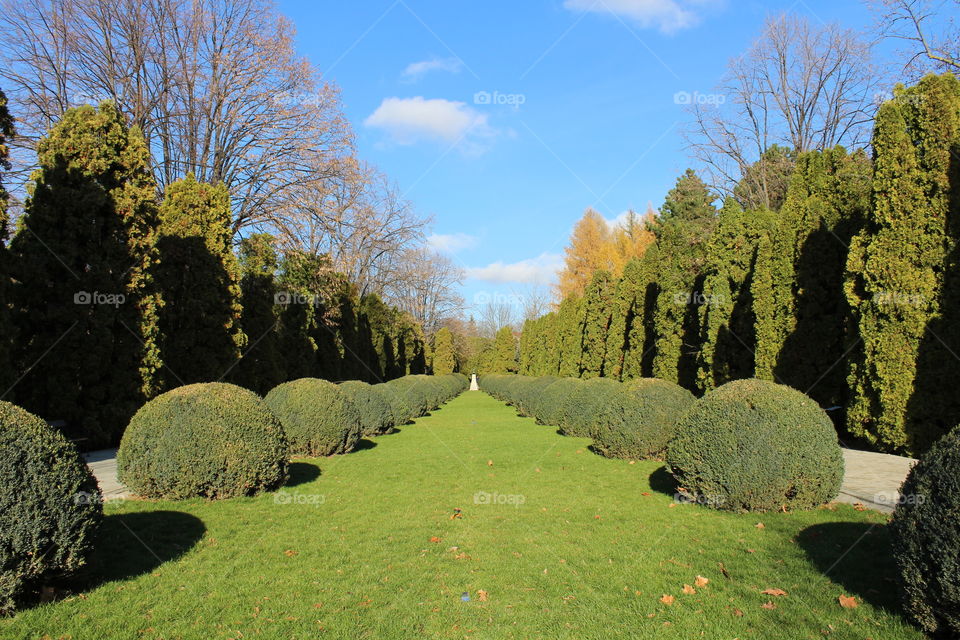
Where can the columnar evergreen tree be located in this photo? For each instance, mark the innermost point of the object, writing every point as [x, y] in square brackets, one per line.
[7, 367]
[626, 312]
[902, 273]
[505, 348]
[262, 365]
[444, 360]
[727, 322]
[801, 314]
[569, 337]
[198, 277]
[83, 257]
[686, 221]
[381, 320]
[640, 347]
[595, 323]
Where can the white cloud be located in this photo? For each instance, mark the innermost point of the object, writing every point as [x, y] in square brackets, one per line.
[541, 270]
[410, 120]
[451, 242]
[417, 70]
[667, 15]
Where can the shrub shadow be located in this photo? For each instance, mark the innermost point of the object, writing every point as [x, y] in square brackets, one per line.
[662, 482]
[302, 473]
[132, 544]
[856, 555]
[363, 444]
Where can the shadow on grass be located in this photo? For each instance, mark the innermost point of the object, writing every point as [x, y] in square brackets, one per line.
[662, 482]
[857, 556]
[302, 473]
[363, 444]
[132, 544]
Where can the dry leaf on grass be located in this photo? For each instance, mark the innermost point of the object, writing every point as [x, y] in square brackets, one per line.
[759, 525]
[848, 602]
[774, 592]
[668, 600]
[768, 605]
[687, 589]
[701, 581]
[434, 539]
[289, 553]
[482, 595]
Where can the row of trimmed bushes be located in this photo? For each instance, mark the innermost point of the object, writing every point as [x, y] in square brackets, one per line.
[211, 440]
[756, 445]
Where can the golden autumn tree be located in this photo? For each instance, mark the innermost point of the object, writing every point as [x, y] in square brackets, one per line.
[591, 247]
[631, 238]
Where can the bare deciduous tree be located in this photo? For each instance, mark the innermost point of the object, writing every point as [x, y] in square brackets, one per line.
[425, 287]
[929, 27]
[799, 86]
[496, 314]
[215, 85]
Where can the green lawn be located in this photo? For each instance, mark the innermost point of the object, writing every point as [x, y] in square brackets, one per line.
[589, 553]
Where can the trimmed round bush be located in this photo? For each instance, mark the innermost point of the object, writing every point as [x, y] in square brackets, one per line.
[753, 445]
[209, 440]
[579, 410]
[552, 400]
[50, 506]
[638, 419]
[318, 417]
[376, 414]
[925, 534]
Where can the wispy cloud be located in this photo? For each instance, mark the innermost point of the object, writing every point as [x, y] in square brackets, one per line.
[417, 70]
[541, 270]
[669, 16]
[451, 242]
[411, 120]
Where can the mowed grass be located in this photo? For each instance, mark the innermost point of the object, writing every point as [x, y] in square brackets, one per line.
[363, 546]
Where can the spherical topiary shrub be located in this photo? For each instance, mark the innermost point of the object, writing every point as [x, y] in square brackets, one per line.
[580, 409]
[319, 418]
[210, 440]
[753, 445]
[50, 505]
[376, 414]
[926, 539]
[638, 419]
[550, 407]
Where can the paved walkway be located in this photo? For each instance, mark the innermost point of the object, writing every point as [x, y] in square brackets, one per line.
[872, 479]
[103, 463]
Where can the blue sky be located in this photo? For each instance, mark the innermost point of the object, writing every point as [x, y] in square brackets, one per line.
[505, 119]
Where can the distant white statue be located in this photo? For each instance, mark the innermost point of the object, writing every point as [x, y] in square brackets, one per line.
[473, 383]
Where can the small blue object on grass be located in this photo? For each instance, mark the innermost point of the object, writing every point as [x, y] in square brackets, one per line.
[466, 596]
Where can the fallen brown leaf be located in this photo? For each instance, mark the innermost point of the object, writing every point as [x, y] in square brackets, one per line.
[848, 602]
[759, 525]
[768, 605]
[687, 589]
[482, 595]
[289, 553]
[774, 592]
[668, 600]
[434, 539]
[701, 581]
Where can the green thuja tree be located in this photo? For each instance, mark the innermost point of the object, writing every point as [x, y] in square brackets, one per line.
[7, 366]
[505, 350]
[198, 277]
[902, 274]
[262, 365]
[727, 321]
[381, 321]
[640, 335]
[626, 314]
[683, 228]
[802, 317]
[444, 358]
[84, 252]
[598, 302]
[569, 336]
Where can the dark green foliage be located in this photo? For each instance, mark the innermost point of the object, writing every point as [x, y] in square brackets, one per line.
[376, 413]
[569, 337]
[902, 274]
[318, 418]
[597, 316]
[50, 506]
[552, 400]
[414, 396]
[444, 358]
[801, 314]
[83, 253]
[753, 445]
[764, 184]
[262, 367]
[926, 539]
[199, 279]
[637, 420]
[580, 409]
[7, 367]
[505, 351]
[727, 321]
[211, 440]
